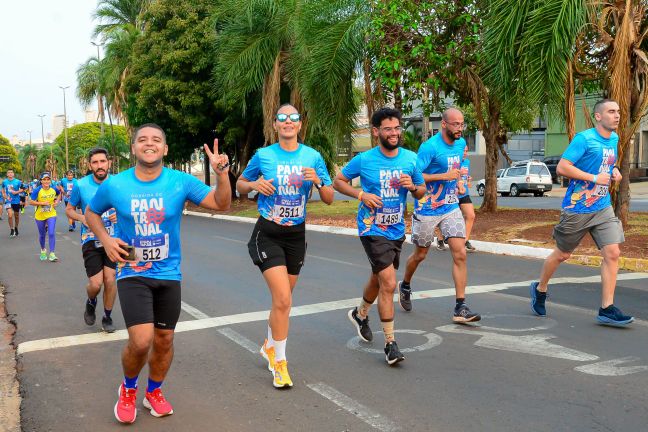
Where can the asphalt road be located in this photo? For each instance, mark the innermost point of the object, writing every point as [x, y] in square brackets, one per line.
[513, 372]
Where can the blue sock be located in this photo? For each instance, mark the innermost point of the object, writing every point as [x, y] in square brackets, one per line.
[130, 383]
[153, 385]
[107, 312]
[93, 301]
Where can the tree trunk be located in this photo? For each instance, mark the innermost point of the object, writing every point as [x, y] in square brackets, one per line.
[622, 198]
[369, 99]
[489, 204]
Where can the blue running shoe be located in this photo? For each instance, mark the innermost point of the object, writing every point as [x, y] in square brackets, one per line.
[537, 300]
[613, 316]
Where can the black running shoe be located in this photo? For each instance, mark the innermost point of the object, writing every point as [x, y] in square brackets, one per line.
[462, 315]
[440, 245]
[11, 234]
[107, 325]
[393, 354]
[361, 325]
[470, 247]
[404, 296]
[89, 314]
[15, 232]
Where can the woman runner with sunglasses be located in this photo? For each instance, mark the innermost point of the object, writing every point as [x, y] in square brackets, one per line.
[283, 175]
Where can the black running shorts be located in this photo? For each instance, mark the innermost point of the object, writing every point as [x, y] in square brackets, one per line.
[382, 252]
[95, 259]
[465, 200]
[273, 245]
[15, 207]
[145, 300]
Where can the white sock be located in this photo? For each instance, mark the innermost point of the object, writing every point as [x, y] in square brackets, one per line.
[280, 350]
[270, 340]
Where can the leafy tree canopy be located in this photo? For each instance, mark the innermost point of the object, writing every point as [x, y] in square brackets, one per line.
[6, 149]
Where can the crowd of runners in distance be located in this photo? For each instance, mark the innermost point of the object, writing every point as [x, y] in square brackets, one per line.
[130, 242]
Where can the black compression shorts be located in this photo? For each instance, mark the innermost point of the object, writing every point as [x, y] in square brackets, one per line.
[273, 245]
[146, 300]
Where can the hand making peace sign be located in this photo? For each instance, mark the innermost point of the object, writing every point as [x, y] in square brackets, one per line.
[219, 162]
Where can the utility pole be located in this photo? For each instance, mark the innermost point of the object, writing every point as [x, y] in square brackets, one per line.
[99, 97]
[67, 158]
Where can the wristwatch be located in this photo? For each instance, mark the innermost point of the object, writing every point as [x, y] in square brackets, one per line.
[318, 186]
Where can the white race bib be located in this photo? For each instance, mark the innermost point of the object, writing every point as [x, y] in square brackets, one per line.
[289, 207]
[601, 191]
[451, 196]
[152, 248]
[389, 215]
[47, 208]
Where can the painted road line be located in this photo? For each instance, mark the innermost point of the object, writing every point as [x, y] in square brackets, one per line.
[364, 413]
[222, 321]
[341, 400]
[239, 339]
[193, 311]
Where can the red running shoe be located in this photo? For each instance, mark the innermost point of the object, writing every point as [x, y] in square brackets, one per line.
[158, 405]
[125, 409]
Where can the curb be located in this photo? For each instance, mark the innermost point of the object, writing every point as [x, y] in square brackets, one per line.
[9, 388]
[630, 264]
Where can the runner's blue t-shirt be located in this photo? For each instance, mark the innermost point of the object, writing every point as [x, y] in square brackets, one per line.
[82, 193]
[380, 175]
[435, 156]
[465, 173]
[592, 153]
[68, 185]
[15, 185]
[287, 206]
[149, 215]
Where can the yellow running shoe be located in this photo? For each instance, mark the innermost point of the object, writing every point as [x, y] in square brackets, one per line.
[268, 353]
[281, 377]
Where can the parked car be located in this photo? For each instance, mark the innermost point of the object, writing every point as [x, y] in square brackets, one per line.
[522, 177]
[481, 184]
[552, 163]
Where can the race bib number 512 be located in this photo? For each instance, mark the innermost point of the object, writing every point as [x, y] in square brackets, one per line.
[152, 248]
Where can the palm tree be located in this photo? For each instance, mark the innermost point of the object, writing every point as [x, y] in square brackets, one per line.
[27, 156]
[546, 50]
[51, 158]
[268, 47]
[115, 15]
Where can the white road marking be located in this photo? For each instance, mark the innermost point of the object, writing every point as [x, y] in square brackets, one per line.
[239, 339]
[433, 340]
[201, 324]
[343, 401]
[364, 413]
[193, 311]
[525, 344]
[610, 368]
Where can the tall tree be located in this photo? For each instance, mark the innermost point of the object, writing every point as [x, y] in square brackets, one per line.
[8, 151]
[546, 50]
[267, 47]
[27, 156]
[426, 51]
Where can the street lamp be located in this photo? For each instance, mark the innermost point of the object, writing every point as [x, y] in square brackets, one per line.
[29, 132]
[67, 160]
[42, 128]
[99, 98]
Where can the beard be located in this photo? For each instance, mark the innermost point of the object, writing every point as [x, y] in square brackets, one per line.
[387, 145]
[452, 136]
[100, 174]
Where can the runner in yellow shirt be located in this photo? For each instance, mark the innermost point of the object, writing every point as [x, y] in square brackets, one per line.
[45, 198]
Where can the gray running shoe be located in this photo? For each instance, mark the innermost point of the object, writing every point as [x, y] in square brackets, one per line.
[462, 315]
[107, 325]
[470, 247]
[404, 296]
[440, 245]
[89, 314]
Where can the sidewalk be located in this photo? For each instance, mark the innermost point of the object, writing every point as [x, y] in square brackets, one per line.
[9, 389]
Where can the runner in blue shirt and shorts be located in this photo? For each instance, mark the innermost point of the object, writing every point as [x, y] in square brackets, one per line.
[387, 173]
[440, 160]
[589, 162]
[283, 174]
[149, 200]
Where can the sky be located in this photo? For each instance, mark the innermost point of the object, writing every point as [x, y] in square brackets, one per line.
[42, 43]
